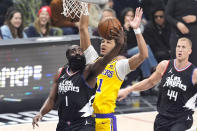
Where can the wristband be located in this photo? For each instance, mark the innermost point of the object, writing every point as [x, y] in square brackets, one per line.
[137, 31]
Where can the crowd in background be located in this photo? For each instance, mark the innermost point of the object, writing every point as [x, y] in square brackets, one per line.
[163, 23]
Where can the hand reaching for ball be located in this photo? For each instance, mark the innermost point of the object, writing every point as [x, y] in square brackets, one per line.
[106, 25]
[118, 35]
[137, 19]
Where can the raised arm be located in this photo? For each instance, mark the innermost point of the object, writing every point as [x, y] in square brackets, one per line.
[83, 30]
[137, 59]
[146, 83]
[48, 104]
[97, 68]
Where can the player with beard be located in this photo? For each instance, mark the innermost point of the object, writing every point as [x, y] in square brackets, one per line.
[74, 88]
[177, 89]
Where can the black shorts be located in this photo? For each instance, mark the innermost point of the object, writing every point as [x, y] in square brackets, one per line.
[86, 124]
[182, 123]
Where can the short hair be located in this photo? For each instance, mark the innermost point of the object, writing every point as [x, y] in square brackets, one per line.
[185, 39]
[68, 50]
[109, 10]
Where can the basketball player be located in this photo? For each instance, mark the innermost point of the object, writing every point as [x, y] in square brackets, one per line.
[73, 88]
[177, 89]
[112, 77]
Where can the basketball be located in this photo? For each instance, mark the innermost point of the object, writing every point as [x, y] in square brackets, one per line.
[106, 25]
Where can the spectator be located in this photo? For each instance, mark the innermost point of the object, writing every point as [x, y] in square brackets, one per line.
[157, 34]
[95, 13]
[59, 20]
[4, 5]
[147, 6]
[42, 24]
[108, 12]
[127, 15]
[181, 14]
[13, 27]
[46, 2]
[120, 5]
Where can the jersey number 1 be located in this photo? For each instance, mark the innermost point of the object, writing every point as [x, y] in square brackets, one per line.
[100, 84]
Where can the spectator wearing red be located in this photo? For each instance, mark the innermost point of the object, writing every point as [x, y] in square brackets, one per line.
[42, 24]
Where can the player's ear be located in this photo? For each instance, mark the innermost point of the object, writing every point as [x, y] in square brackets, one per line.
[190, 51]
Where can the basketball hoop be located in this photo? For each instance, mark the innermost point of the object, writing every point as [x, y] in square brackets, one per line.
[74, 8]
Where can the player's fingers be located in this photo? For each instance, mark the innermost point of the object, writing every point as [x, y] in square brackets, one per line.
[141, 12]
[122, 29]
[114, 32]
[138, 11]
[120, 98]
[115, 29]
[135, 13]
[33, 124]
[111, 36]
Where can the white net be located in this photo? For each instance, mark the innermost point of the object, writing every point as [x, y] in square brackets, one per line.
[73, 8]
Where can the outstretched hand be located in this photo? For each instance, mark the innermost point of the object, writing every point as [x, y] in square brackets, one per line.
[135, 23]
[122, 94]
[37, 118]
[118, 35]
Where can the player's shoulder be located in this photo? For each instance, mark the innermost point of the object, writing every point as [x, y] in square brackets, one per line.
[194, 76]
[59, 71]
[120, 57]
[163, 65]
[195, 71]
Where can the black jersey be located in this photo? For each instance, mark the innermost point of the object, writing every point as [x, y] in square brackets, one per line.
[177, 94]
[75, 97]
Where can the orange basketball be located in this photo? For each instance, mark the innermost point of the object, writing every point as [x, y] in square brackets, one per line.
[106, 25]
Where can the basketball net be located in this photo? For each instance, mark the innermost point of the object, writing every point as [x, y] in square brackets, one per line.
[73, 8]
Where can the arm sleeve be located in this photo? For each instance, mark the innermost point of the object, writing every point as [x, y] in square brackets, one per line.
[24, 35]
[5, 32]
[123, 68]
[90, 54]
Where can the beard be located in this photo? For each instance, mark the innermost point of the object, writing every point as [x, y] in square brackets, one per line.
[77, 62]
